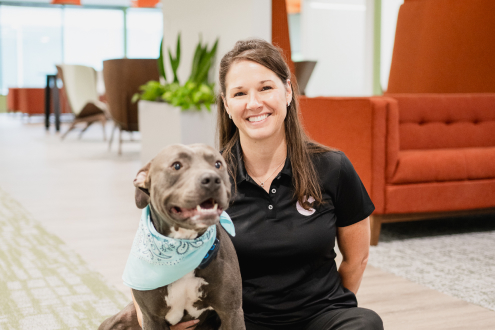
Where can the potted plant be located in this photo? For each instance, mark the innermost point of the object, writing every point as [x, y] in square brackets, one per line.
[172, 112]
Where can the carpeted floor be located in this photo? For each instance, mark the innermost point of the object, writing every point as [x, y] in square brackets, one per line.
[43, 284]
[453, 256]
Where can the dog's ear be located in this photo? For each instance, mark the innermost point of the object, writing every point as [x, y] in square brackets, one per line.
[142, 179]
[142, 184]
[142, 198]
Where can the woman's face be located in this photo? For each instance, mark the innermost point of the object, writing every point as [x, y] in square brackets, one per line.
[257, 100]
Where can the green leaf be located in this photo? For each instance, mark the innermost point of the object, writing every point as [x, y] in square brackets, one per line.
[213, 50]
[161, 64]
[174, 62]
[177, 52]
[198, 54]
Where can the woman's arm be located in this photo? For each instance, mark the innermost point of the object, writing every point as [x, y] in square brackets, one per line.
[354, 244]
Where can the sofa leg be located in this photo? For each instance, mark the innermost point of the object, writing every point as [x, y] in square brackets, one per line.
[376, 226]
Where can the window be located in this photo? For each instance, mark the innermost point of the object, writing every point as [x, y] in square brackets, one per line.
[92, 36]
[30, 45]
[34, 39]
[144, 33]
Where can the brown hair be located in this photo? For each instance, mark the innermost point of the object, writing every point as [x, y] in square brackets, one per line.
[299, 146]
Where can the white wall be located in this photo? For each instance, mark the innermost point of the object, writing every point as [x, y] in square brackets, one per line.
[390, 10]
[230, 20]
[339, 35]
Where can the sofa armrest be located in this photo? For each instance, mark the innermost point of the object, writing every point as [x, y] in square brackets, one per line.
[365, 128]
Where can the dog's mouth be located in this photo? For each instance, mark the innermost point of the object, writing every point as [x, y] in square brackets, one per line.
[208, 209]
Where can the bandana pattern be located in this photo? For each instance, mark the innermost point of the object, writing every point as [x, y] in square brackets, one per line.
[160, 250]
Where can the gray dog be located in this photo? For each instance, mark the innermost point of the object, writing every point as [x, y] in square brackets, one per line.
[187, 189]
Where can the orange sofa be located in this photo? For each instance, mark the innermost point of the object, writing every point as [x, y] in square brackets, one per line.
[426, 148]
[31, 101]
[444, 46]
[13, 100]
[418, 155]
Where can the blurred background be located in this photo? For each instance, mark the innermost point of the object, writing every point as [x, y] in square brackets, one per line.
[406, 88]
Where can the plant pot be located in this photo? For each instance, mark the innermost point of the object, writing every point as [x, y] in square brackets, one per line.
[162, 124]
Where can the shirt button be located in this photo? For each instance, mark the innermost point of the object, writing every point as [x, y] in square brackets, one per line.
[274, 190]
[270, 207]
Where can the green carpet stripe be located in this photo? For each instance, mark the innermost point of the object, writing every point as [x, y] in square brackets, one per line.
[43, 283]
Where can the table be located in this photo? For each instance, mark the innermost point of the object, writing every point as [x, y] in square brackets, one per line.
[51, 95]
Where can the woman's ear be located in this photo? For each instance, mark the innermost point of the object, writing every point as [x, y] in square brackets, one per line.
[288, 89]
[224, 103]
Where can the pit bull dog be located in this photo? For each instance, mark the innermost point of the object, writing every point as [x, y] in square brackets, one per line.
[184, 191]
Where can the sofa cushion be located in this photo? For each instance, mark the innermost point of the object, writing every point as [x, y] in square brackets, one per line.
[431, 121]
[439, 196]
[436, 165]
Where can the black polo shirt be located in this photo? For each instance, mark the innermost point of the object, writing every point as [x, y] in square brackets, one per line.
[286, 254]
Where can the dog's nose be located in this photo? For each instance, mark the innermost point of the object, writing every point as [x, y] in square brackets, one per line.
[210, 181]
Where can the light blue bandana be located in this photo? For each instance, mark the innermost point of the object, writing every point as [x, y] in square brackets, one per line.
[156, 260]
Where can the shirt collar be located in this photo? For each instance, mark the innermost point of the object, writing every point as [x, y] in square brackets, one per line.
[241, 170]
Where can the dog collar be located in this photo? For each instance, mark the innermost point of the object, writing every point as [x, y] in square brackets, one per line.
[210, 255]
[156, 260]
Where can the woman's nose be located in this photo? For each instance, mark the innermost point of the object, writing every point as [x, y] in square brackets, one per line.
[253, 101]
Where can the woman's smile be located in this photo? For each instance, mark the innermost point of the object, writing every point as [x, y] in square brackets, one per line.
[258, 119]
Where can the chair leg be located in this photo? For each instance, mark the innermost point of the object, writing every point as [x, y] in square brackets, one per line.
[67, 132]
[85, 128]
[376, 226]
[120, 141]
[103, 122]
[111, 136]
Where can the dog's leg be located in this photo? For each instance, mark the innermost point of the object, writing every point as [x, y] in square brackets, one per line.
[154, 323]
[232, 320]
[126, 319]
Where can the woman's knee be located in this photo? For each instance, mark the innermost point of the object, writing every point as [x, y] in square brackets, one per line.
[366, 319]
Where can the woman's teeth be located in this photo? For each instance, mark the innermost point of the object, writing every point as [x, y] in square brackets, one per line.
[258, 118]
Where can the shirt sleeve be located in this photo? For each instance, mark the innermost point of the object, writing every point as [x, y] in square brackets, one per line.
[353, 203]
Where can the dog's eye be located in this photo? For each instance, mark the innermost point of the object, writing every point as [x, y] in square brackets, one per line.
[177, 165]
[218, 164]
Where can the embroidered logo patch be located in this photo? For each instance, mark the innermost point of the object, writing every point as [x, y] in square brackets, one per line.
[301, 209]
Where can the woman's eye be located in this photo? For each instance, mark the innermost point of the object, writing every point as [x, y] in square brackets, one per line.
[177, 165]
[238, 94]
[266, 88]
[218, 164]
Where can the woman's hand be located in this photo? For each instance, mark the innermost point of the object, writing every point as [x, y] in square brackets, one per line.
[185, 325]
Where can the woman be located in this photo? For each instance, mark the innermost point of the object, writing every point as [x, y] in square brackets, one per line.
[292, 197]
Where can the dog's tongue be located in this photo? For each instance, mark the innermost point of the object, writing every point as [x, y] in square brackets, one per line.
[207, 204]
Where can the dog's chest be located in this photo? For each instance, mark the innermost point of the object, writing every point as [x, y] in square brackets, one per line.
[182, 294]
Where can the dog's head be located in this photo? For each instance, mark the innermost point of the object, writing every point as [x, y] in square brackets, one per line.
[188, 186]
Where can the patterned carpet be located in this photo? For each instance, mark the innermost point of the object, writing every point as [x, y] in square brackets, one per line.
[453, 256]
[43, 284]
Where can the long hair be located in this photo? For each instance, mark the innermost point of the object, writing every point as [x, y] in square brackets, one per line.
[299, 146]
